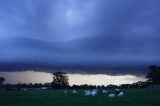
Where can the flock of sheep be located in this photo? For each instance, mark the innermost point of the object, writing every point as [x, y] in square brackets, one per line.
[94, 92]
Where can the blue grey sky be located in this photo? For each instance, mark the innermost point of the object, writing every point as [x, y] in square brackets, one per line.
[92, 36]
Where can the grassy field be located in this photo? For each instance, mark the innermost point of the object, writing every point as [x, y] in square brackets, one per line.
[133, 97]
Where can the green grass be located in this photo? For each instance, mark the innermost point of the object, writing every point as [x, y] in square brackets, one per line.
[133, 97]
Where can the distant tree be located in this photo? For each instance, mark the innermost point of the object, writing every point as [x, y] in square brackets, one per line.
[154, 74]
[2, 80]
[60, 80]
[112, 86]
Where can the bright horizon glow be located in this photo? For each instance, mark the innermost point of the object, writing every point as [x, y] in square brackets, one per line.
[103, 79]
[77, 79]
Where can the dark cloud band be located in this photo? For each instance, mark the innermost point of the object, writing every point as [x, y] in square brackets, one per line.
[87, 35]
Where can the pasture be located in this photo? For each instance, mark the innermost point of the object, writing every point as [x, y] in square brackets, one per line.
[132, 97]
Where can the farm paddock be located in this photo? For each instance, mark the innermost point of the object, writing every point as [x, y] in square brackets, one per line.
[132, 97]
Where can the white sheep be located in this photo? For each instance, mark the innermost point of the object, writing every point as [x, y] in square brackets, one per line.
[87, 93]
[117, 89]
[95, 90]
[111, 95]
[93, 93]
[74, 92]
[65, 91]
[104, 91]
[120, 94]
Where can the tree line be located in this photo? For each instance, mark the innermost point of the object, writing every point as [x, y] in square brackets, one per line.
[61, 81]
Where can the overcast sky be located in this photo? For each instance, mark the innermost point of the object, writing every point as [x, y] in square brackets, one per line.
[122, 36]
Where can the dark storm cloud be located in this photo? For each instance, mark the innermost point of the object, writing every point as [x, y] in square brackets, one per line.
[118, 35]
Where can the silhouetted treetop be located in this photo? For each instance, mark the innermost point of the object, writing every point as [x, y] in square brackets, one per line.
[60, 80]
[2, 80]
[154, 74]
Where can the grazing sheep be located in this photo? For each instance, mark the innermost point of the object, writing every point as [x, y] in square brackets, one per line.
[117, 89]
[87, 93]
[93, 93]
[104, 91]
[95, 90]
[120, 94]
[74, 92]
[65, 91]
[43, 88]
[111, 95]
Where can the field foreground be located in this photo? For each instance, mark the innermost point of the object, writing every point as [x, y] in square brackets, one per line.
[132, 97]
